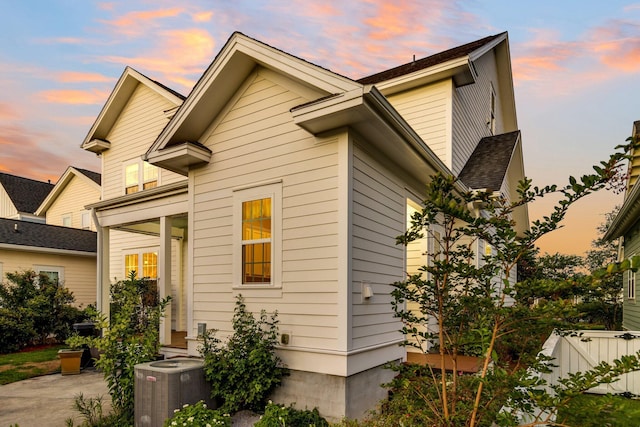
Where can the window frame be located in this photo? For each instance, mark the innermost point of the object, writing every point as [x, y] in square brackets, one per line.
[141, 183]
[493, 101]
[51, 268]
[67, 216]
[273, 191]
[631, 285]
[139, 253]
[85, 215]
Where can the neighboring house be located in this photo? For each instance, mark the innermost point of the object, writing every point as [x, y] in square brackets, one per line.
[626, 225]
[65, 247]
[20, 197]
[283, 182]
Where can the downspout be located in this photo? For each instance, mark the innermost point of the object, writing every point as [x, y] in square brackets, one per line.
[99, 267]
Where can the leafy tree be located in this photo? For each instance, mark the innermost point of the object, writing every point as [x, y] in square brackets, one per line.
[473, 301]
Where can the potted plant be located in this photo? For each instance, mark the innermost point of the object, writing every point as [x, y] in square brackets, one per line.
[70, 359]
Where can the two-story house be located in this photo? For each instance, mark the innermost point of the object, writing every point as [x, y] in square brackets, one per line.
[286, 183]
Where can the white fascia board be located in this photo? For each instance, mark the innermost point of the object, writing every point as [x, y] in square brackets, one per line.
[179, 158]
[60, 186]
[46, 250]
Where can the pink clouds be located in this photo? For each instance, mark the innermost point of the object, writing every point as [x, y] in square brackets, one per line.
[78, 76]
[74, 96]
[204, 16]
[137, 22]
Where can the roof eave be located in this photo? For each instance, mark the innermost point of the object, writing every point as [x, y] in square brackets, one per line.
[60, 186]
[180, 158]
[626, 217]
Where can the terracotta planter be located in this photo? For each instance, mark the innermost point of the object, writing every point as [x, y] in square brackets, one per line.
[70, 361]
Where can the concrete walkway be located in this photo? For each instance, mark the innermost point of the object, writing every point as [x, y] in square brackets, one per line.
[47, 401]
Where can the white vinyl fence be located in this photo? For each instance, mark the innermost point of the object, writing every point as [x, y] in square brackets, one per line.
[582, 350]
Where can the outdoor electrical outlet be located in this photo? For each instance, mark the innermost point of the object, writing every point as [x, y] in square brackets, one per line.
[284, 339]
[202, 329]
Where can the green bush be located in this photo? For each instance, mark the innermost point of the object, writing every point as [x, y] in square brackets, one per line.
[244, 371]
[198, 415]
[34, 309]
[281, 416]
[130, 337]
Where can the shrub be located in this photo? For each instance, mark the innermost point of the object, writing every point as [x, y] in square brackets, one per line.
[198, 415]
[130, 338]
[281, 416]
[245, 370]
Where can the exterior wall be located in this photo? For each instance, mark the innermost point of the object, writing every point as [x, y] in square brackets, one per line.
[379, 215]
[255, 141]
[471, 111]
[79, 271]
[631, 307]
[428, 110]
[136, 129]
[74, 197]
[7, 208]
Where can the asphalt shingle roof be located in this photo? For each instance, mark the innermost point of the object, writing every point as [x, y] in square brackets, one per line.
[25, 194]
[487, 166]
[46, 236]
[94, 176]
[427, 62]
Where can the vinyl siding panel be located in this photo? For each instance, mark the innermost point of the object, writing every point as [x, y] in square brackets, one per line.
[631, 307]
[79, 272]
[140, 122]
[7, 208]
[471, 112]
[255, 141]
[74, 197]
[428, 110]
[378, 217]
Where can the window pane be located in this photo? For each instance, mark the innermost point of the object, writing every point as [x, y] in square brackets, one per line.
[150, 176]
[131, 179]
[54, 276]
[150, 265]
[256, 226]
[130, 264]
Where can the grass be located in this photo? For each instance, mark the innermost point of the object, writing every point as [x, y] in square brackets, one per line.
[590, 410]
[29, 363]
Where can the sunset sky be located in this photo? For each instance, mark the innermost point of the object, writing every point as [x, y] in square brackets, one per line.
[576, 68]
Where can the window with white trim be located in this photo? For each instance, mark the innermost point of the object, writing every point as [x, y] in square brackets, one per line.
[143, 262]
[85, 220]
[631, 284]
[54, 272]
[67, 220]
[139, 175]
[257, 235]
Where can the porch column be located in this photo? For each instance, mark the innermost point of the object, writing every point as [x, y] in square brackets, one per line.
[164, 277]
[103, 297]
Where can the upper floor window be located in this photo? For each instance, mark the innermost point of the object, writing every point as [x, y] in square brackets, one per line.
[139, 175]
[67, 220]
[258, 235]
[631, 284]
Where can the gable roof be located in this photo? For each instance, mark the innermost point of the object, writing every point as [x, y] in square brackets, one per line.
[488, 164]
[25, 194]
[49, 238]
[430, 61]
[93, 179]
[96, 138]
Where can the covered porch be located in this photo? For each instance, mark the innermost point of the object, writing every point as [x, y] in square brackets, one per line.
[146, 232]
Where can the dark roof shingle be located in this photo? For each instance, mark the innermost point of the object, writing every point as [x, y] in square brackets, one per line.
[487, 166]
[427, 62]
[25, 194]
[94, 176]
[24, 233]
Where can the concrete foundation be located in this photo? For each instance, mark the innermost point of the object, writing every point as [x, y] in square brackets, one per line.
[335, 397]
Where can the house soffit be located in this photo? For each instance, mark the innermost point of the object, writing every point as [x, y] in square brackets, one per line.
[240, 57]
[141, 197]
[627, 217]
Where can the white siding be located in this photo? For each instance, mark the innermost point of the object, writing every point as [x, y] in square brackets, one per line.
[79, 272]
[74, 197]
[428, 110]
[255, 141]
[471, 112]
[136, 129]
[7, 208]
[378, 216]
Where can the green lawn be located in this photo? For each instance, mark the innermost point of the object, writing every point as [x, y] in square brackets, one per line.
[27, 364]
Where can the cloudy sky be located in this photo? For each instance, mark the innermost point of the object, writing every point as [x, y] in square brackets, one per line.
[576, 68]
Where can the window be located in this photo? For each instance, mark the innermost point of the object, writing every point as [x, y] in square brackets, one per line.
[139, 175]
[631, 284]
[145, 262]
[67, 220]
[86, 220]
[257, 231]
[55, 273]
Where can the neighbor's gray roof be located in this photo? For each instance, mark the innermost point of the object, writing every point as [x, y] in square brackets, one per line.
[25, 194]
[429, 61]
[46, 236]
[94, 176]
[487, 166]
